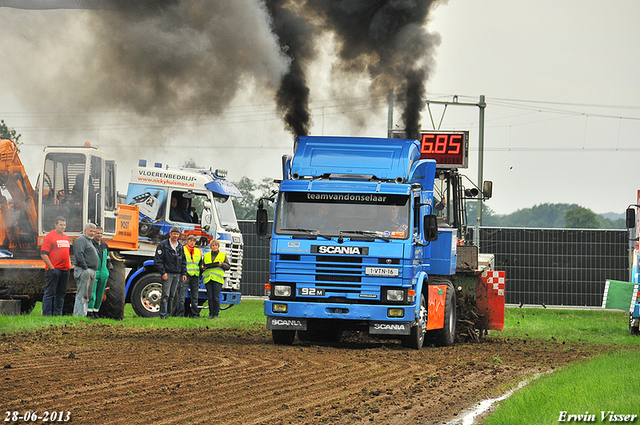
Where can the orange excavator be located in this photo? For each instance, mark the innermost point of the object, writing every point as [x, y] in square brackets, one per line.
[18, 218]
[77, 183]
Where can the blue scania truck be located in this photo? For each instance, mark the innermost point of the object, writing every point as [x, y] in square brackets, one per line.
[370, 235]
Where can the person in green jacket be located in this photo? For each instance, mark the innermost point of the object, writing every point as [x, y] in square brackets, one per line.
[102, 274]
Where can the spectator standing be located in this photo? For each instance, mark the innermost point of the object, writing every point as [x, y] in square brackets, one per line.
[193, 257]
[55, 254]
[172, 266]
[102, 274]
[214, 264]
[87, 262]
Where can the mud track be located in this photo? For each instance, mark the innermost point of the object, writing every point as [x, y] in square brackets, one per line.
[108, 374]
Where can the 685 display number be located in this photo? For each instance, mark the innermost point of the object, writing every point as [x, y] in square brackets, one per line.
[448, 149]
[29, 416]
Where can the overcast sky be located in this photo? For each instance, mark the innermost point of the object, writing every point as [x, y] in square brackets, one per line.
[561, 81]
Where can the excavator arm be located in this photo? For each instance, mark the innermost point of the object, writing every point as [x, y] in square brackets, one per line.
[19, 218]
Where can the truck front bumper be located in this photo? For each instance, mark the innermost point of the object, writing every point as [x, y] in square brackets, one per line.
[380, 319]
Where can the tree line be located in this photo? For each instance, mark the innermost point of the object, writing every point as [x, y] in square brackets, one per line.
[548, 215]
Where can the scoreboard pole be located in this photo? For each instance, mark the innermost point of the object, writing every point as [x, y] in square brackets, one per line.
[481, 105]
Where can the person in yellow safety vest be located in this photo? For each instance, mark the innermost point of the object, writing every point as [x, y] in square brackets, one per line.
[193, 257]
[213, 265]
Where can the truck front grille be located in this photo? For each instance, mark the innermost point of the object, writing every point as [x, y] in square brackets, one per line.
[339, 275]
[234, 274]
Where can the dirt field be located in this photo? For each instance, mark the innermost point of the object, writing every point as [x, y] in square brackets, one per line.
[105, 374]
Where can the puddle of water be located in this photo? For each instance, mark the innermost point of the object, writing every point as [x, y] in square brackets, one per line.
[468, 417]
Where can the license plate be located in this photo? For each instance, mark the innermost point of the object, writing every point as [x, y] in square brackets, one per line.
[311, 292]
[381, 271]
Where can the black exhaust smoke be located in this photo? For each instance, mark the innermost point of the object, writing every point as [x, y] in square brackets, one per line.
[174, 58]
[296, 38]
[385, 39]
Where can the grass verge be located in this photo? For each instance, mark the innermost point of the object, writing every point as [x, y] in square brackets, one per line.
[593, 326]
[607, 383]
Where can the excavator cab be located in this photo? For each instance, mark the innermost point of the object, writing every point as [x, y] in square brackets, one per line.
[78, 184]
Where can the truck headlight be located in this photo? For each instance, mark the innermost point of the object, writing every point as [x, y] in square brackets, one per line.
[395, 295]
[282, 290]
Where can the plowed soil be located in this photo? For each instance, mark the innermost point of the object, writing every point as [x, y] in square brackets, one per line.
[109, 374]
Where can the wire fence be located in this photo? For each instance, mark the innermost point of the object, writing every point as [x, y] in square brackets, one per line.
[566, 267]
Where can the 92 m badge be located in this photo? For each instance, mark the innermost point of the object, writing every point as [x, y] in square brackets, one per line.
[311, 292]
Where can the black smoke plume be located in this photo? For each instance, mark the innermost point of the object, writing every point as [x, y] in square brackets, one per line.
[171, 58]
[385, 39]
[296, 38]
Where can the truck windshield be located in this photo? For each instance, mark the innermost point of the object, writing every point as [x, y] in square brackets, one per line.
[328, 214]
[226, 213]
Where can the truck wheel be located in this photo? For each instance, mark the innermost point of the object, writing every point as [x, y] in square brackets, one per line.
[146, 294]
[416, 339]
[283, 337]
[445, 336]
[114, 296]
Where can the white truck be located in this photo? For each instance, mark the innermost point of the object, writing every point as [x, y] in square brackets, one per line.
[199, 202]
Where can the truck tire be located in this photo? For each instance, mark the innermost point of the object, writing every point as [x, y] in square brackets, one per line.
[445, 336]
[114, 296]
[415, 340]
[146, 294]
[283, 337]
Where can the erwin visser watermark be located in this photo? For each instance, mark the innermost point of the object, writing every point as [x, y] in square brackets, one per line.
[605, 416]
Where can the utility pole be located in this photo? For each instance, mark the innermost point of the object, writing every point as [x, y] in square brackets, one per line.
[482, 105]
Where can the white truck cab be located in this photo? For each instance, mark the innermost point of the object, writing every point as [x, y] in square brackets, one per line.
[196, 200]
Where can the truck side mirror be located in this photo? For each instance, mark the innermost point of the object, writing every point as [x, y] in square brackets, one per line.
[631, 218]
[262, 222]
[487, 189]
[430, 227]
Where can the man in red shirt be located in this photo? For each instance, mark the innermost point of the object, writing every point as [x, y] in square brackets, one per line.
[55, 254]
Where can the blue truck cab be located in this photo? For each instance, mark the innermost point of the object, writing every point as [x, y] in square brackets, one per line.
[356, 244]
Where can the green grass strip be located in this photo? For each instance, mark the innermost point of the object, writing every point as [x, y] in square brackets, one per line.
[606, 385]
[246, 315]
[591, 326]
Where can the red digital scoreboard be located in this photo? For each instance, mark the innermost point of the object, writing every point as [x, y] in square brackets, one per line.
[449, 149]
